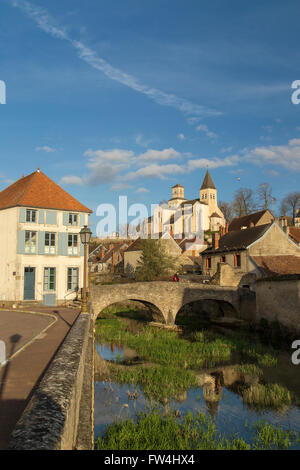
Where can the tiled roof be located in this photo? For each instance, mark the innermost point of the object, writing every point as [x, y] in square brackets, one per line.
[274, 265]
[207, 182]
[245, 221]
[178, 186]
[294, 233]
[239, 239]
[216, 215]
[37, 190]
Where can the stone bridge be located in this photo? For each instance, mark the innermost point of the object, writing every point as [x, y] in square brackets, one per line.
[168, 297]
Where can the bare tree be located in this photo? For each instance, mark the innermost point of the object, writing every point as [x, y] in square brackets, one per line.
[266, 200]
[243, 202]
[227, 210]
[292, 203]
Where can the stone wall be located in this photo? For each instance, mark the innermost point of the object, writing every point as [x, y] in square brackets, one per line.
[278, 299]
[51, 418]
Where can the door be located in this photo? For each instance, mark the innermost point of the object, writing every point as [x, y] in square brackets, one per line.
[29, 283]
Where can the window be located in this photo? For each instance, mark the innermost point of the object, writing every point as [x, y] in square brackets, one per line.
[50, 243]
[72, 244]
[30, 242]
[49, 279]
[30, 215]
[73, 219]
[73, 279]
[208, 263]
[223, 259]
[237, 261]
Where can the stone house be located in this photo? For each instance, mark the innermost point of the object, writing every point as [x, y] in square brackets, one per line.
[251, 251]
[108, 260]
[133, 253]
[40, 249]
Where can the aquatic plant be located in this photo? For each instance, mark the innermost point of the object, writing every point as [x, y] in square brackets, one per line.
[267, 396]
[152, 431]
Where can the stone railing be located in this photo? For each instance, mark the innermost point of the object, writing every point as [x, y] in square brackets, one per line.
[59, 415]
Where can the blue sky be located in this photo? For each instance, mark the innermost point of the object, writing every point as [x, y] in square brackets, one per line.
[130, 97]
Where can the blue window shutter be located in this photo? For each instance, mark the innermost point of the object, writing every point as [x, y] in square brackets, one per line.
[21, 242]
[82, 220]
[41, 242]
[51, 217]
[49, 300]
[63, 244]
[66, 218]
[41, 217]
[22, 214]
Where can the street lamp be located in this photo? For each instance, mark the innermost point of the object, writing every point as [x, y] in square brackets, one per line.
[85, 236]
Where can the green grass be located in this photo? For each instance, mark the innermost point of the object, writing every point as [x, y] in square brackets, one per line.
[158, 382]
[273, 396]
[249, 369]
[164, 347]
[153, 431]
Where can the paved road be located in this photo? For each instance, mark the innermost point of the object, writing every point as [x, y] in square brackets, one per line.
[31, 341]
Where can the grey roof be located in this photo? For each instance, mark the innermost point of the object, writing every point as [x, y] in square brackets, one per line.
[239, 239]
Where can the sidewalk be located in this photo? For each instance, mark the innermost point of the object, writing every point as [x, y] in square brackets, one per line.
[30, 356]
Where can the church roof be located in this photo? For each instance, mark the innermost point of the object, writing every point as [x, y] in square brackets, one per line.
[37, 190]
[207, 182]
[178, 186]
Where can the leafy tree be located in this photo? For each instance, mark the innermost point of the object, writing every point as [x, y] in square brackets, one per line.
[243, 202]
[154, 262]
[291, 204]
[266, 200]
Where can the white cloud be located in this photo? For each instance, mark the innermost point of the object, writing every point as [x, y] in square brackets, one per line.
[207, 132]
[226, 149]
[287, 156]
[120, 186]
[166, 154]
[213, 163]
[45, 148]
[155, 171]
[47, 24]
[181, 136]
[142, 190]
[112, 156]
[139, 140]
[72, 180]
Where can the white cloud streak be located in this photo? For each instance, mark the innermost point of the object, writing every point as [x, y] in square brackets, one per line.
[47, 24]
[45, 148]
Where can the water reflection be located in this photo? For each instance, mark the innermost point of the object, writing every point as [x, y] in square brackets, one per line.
[219, 393]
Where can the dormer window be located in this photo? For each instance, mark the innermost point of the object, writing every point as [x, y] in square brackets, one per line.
[73, 219]
[30, 215]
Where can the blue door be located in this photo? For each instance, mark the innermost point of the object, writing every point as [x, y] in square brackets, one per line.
[29, 282]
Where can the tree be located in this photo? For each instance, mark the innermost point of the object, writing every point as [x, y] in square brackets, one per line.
[243, 202]
[154, 262]
[227, 210]
[291, 204]
[266, 200]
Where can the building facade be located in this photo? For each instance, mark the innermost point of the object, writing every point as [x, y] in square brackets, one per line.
[40, 249]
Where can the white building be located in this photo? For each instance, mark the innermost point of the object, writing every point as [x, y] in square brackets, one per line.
[41, 256]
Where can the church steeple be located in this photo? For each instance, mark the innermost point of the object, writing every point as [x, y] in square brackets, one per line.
[207, 182]
[208, 193]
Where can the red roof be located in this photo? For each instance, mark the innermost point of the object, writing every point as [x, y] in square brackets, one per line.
[294, 232]
[37, 190]
[281, 264]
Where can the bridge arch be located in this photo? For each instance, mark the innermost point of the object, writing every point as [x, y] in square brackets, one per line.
[154, 313]
[206, 309]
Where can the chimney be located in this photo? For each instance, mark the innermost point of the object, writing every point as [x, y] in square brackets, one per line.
[113, 259]
[251, 224]
[227, 227]
[215, 240]
[102, 252]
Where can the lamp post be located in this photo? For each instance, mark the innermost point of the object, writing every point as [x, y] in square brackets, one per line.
[85, 236]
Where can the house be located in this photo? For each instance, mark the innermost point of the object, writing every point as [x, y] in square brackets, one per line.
[133, 253]
[252, 220]
[297, 218]
[247, 251]
[111, 259]
[41, 253]
[294, 233]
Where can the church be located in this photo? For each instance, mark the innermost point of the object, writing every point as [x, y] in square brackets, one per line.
[184, 218]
